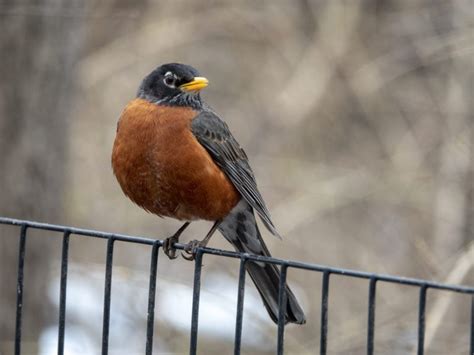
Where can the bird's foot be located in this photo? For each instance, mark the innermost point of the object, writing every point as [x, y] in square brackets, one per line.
[191, 249]
[168, 243]
[168, 246]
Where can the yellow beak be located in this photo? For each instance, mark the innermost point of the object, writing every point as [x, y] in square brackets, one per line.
[197, 84]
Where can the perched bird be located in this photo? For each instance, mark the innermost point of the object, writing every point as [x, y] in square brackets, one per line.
[174, 157]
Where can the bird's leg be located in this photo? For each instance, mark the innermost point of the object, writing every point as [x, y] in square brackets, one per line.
[192, 246]
[168, 247]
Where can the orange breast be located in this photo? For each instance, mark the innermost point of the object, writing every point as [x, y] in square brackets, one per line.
[161, 166]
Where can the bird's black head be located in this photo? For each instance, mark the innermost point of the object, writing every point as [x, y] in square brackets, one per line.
[173, 84]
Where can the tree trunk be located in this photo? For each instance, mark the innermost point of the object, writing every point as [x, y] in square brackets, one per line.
[39, 46]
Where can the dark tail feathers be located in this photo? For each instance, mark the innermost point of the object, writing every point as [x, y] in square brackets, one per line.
[267, 280]
[241, 230]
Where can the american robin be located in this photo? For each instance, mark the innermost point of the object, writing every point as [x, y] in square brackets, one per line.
[174, 157]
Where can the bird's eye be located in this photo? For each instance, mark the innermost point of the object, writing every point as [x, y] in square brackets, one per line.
[170, 80]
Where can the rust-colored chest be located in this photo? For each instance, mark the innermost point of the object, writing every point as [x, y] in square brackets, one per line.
[161, 166]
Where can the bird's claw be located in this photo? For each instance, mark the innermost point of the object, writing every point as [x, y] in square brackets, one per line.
[168, 247]
[191, 249]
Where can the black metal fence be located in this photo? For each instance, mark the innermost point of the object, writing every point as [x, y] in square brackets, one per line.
[373, 280]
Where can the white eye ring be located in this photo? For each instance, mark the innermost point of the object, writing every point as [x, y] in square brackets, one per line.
[170, 80]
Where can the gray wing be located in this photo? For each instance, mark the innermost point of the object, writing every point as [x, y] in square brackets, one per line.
[214, 135]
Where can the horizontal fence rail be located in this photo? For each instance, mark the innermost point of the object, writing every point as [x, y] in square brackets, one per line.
[374, 279]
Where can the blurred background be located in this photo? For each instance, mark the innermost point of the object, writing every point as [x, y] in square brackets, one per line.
[357, 116]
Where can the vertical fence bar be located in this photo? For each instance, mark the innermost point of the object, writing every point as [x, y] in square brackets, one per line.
[240, 306]
[196, 295]
[62, 292]
[107, 295]
[324, 313]
[371, 316]
[421, 320]
[19, 288]
[282, 308]
[471, 351]
[151, 298]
